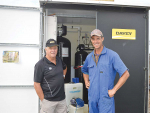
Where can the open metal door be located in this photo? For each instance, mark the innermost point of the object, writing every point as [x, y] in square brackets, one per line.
[133, 96]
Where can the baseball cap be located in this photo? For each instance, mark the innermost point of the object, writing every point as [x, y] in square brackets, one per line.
[96, 32]
[51, 42]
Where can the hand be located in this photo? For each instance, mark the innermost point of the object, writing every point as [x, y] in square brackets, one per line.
[87, 84]
[42, 98]
[111, 93]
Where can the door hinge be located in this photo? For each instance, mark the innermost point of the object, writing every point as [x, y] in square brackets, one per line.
[145, 16]
[145, 68]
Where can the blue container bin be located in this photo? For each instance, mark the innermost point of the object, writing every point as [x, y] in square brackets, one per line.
[75, 80]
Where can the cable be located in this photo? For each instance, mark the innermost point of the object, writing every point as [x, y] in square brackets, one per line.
[77, 67]
[45, 3]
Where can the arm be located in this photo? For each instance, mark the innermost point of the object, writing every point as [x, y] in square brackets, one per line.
[38, 76]
[86, 80]
[39, 90]
[119, 84]
[65, 71]
[64, 68]
[84, 70]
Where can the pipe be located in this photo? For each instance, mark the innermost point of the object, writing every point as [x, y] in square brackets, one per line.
[79, 32]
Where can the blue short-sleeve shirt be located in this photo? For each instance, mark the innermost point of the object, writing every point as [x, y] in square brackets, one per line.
[107, 58]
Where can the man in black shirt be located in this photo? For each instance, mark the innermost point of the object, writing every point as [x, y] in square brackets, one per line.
[49, 74]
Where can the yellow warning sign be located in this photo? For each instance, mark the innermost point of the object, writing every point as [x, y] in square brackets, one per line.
[128, 34]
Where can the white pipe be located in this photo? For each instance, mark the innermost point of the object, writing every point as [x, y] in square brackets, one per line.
[79, 32]
[44, 33]
[90, 46]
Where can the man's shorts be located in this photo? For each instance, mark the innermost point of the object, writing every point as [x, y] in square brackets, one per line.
[53, 106]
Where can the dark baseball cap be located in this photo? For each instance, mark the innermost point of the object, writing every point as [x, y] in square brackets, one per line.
[51, 42]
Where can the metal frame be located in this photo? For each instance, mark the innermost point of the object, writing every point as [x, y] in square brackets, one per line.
[21, 8]
[90, 7]
[72, 16]
[41, 34]
[19, 44]
[147, 88]
[44, 29]
[96, 20]
[4, 86]
[147, 63]
[41, 40]
[100, 3]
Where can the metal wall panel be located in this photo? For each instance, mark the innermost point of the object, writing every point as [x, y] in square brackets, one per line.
[19, 25]
[20, 31]
[18, 100]
[20, 73]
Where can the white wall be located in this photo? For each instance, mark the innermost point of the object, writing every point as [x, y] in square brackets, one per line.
[19, 26]
[51, 27]
[24, 3]
[19, 73]
[18, 100]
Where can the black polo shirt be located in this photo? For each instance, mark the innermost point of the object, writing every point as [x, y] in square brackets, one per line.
[51, 78]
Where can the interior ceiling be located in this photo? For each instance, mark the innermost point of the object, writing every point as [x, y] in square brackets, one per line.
[81, 17]
[76, 21]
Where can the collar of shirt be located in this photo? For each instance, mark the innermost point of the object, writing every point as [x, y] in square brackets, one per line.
[103, 51]
[95, 53]
[49, 62]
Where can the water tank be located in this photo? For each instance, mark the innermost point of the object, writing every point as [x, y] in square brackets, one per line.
[64, 52]
[73, 91]
[80, 57]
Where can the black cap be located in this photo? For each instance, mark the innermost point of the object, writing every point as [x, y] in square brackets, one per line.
[51, 42]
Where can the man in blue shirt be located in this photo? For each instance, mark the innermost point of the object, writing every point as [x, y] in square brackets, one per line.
[99, 72]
